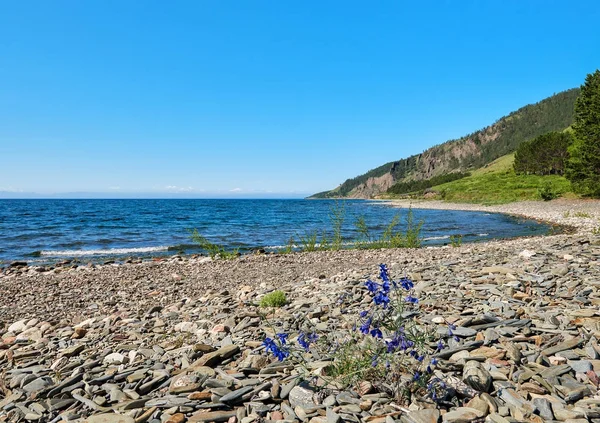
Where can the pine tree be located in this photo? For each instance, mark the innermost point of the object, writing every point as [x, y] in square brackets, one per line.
[584, 165]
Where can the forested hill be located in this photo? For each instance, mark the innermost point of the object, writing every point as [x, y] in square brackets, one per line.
[469, 152]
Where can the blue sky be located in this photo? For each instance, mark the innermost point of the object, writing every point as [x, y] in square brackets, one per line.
[215, 98]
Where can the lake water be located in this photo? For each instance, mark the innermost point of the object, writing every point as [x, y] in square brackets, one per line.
[50, 230]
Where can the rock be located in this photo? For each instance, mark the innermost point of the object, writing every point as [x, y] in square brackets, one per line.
[543, 408]
[211, 416]
[302, 397]
[462, 415]
[110, 418]
[477, 377]
[185, 383]
[581, 366]
[235, 396]
[114, 358]
[429, 415]
[567, 345]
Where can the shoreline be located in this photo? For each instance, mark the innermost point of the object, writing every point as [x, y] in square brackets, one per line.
[535, 210]
[145, 336]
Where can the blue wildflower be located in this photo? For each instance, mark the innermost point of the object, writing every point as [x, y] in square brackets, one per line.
[420, 358]
[384, 273]
[417, 376]
[364, 328]
[272, 347]
[374, 361]
[371, 286]
[385, 287]
[376, 333]
[302, 341]
[407, 284]
[381, 299]
[434, 361]
[393, 344]
[282, 337]
[364, 313]
[411, 299]
[440, 345]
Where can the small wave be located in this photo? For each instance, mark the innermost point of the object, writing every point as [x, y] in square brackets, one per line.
[103, 252]
[432, 238]
[483, 234]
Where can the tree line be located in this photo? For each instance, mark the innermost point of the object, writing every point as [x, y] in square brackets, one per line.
[574, 154]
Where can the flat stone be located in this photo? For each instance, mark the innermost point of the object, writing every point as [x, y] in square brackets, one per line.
[236, 395]
[581, 366]
[185, 383]
[462, 415]
[428, 415]
[543, 407]
[476, 376]
[302, 397]
[555, 371]
[212, 416]
[110, 418]
[215, 357]
[567, 345]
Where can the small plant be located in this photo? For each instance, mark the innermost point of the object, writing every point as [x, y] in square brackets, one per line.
[391, 237]
[567, 214]
[547, 192]
[596, 231]
[385, 344]
[289, 247]
[215, 251]
[456, 240]
[583, 214]
[309, 241]
[274, 299]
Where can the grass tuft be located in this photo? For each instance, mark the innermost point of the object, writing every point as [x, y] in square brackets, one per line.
[274, 299]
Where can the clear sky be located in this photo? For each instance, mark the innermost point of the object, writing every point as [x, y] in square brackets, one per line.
[216, 98]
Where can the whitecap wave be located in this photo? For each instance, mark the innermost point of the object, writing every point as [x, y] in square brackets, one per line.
[433, 238]
[103, 252]
[483, 234]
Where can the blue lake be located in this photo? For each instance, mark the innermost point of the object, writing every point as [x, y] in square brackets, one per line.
[50, 230]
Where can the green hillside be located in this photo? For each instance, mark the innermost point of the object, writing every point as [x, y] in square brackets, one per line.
[497, 183]
[471, 151]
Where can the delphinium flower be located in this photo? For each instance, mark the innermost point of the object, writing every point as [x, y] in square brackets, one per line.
[279, 351]
[407, 284]
[371, 286]
[306, 339]
[381, 299]
[412, 300]
[366, 326]
[451, 329]
[376, 333]
[384, 273]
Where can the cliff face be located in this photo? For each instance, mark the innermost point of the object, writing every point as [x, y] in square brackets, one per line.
[373, 186]
[469, 152]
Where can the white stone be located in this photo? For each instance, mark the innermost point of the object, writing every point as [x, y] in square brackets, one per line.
[18, 327]
[114, 358]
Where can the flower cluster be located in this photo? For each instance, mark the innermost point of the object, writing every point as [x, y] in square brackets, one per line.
[279, 349]
[392, 344]
[304, 340]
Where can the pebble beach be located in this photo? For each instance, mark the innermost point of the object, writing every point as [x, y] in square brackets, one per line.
[179, 339]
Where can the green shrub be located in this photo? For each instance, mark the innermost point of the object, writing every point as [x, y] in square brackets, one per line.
[547, 192]
[274, 299]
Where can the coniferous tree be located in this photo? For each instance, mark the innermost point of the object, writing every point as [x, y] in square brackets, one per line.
[584, 166]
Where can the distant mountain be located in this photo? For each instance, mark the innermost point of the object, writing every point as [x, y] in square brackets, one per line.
[467, 153]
